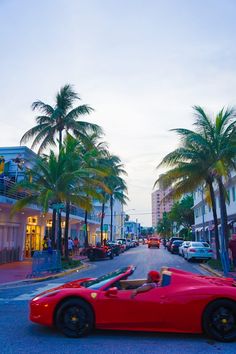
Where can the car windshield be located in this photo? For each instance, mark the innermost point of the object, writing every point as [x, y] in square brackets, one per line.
[177, 242]
[99, 282]
[197, 244]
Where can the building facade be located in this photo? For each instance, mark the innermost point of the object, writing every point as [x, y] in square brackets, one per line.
[23, 233]
[162, 201]
[203, 217]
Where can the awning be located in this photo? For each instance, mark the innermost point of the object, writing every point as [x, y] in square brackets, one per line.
[198, 229]
[230, 222]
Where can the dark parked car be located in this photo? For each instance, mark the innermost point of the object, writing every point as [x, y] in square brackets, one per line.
[171, 240]
[94, 253]
[175, 246]
[116, 247]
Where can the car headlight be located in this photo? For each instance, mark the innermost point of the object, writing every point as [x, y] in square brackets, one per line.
[52, 293]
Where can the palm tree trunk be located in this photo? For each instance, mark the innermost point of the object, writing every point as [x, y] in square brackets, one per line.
[67, 230]
[60, 139]
[59, 231]
[111, 207]
[54, 220]
[102, 219]
[224, 228]
[86, 243]
[216, 231]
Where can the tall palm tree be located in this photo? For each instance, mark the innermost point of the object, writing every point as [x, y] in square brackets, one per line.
[56, 119]
[216, 140]
[86, 178]
[117, 187]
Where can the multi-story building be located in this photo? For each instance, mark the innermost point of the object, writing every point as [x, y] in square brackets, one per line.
[203, 216]
[23, 233]
[162, 201]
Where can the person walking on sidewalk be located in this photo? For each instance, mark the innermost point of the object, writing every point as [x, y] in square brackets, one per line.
[232, 247]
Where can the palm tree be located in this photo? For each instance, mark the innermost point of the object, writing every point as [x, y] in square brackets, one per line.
[216, 142]
[190, 169]
[56, 119]
[117, 187]
[45, 186]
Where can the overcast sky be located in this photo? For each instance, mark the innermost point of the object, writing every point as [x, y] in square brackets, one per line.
[141, 64]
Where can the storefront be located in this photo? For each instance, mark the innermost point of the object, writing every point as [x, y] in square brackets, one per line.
[33, 239]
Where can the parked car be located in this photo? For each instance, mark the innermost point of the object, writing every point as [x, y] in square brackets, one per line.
[94, 253]
[184, 302]
[183, 247]
[196, 250]
[154, 242]
[123, 242]
[115, 247]
[175, 246]
[171, 240]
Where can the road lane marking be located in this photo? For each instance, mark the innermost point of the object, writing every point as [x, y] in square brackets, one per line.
[29, 296]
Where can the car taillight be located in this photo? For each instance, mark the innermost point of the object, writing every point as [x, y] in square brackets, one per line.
[210, 251]
[191, 250]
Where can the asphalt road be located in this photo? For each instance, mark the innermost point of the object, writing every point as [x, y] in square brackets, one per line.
[19, 335]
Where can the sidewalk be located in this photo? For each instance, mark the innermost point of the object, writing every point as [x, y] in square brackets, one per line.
[217, 273]
[20, 271]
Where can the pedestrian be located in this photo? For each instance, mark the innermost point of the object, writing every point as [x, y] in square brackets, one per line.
[70, 246]
[152, 282]
[45, 243]
[49, 245]
[76, 246]
[232, 248]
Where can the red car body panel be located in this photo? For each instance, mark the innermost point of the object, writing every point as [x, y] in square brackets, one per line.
[177, 307]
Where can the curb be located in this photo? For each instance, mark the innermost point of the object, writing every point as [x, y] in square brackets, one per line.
[49, 277]
[210, 270]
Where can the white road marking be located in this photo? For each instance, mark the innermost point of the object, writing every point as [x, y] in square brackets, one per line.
[29, 296]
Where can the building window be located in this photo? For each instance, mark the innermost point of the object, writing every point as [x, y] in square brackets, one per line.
[228, 194]
[233, 193]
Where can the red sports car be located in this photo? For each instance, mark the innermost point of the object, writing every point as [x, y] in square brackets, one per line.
[184, 302]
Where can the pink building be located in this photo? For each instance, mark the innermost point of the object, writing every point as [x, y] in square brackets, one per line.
[161, 202]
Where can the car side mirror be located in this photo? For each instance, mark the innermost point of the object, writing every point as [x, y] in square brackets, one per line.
[111, 292]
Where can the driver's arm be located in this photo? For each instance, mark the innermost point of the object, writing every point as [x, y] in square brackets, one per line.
[142, 289]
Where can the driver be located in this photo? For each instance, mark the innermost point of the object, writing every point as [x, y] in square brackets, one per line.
[153, 279]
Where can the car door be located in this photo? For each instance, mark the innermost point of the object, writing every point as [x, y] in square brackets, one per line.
[144, 311]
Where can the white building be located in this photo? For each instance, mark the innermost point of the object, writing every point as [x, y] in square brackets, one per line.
[203, 216]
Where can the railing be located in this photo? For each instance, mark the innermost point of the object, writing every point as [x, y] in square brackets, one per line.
[7, 190]
[9, 255]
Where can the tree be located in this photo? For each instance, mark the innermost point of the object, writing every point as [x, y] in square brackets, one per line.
[61, 117]
[164, 226]
[206, 155]
[182, 212]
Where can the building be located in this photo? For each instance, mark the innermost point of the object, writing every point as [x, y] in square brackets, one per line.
[162, 201]
[23, 233]
[132, 229]
[203, 217]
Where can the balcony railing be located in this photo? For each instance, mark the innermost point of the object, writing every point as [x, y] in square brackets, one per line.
[7, 190]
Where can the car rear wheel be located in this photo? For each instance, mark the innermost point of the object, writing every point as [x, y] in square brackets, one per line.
[74, 318]
[219, 320]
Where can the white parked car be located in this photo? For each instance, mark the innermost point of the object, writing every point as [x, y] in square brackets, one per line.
[183, 248]
[197, 250]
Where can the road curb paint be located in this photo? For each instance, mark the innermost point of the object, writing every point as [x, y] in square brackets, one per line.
[209, 269]
[49, 277]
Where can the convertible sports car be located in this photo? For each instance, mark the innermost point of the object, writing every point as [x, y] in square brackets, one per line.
[183, 302]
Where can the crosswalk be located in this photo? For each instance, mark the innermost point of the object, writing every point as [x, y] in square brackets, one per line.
[29, 295]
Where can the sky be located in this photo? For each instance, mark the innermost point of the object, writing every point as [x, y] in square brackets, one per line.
[141, 64]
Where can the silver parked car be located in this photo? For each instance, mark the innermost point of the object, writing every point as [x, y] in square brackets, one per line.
[183, 248]
[197, 250]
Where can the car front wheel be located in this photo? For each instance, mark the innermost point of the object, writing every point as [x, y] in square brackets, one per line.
[74, 318]
[219, 320]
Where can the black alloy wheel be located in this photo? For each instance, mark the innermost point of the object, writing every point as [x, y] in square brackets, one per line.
[219, 320]
[74, 318]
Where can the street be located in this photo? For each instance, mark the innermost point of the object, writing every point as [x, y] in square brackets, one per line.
[19, 335]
